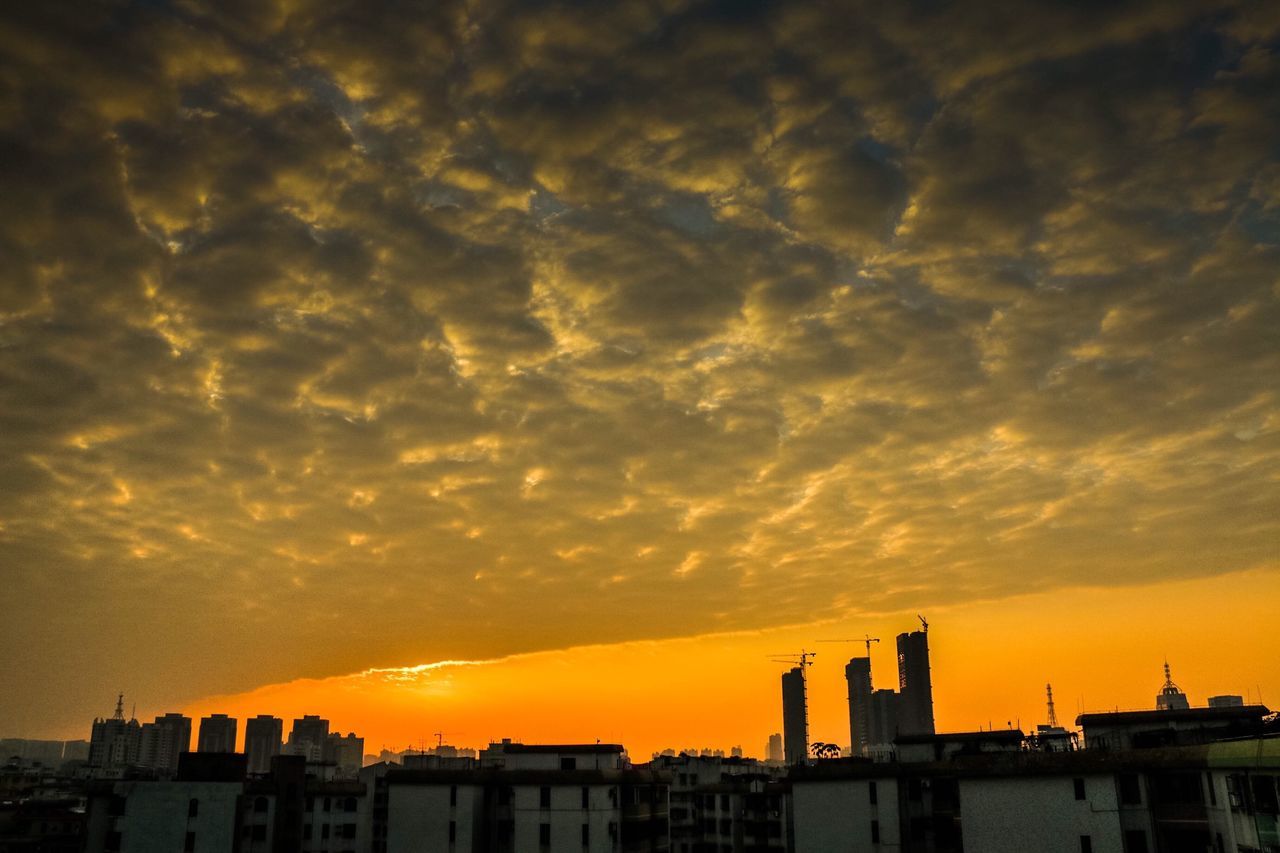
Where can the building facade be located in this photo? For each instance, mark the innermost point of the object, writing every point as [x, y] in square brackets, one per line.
[795, 717]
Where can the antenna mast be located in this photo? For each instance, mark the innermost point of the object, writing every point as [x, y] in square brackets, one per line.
[1053, 715]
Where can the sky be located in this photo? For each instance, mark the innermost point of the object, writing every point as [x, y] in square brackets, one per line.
[602, 351]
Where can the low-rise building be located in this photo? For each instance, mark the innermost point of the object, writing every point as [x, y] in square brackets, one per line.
[529, 798]
[1218, 797]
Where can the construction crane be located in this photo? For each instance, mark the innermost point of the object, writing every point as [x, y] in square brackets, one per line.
[867, 640]
[923, 624]
[802, 660]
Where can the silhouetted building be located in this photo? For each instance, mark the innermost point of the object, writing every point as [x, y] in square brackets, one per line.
[217, 734]
[115, 743]
[527, 798]
[163, 741]
[1229, 701]
[262, 739]
[989, 796]
[1122, 730]
[347, 752]
[795, 717]
[211, 807]
[309, 738]
[858, 675]
[915, 706]
[726, 804]
[884, 721]
[1170, 697]
[774, 753]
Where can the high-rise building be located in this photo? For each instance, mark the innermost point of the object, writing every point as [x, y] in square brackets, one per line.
[774, 752]
[345, 751]
[114, 742]
[163, 741]
[884, 718]
[217, 734]
[262, 737]
[309, 738]
[795, 717]
[858, 674]
[915, 705]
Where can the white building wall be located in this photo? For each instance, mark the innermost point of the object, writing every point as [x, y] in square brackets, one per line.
[156, 816]
[566, 818]
[418, 818]
[342, 818]
[834, 816]
[1039, 813]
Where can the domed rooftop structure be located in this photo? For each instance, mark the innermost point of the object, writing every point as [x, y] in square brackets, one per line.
[1171, 697]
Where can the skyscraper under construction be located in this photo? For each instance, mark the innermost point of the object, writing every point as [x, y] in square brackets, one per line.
[858, 674]
[795, 717]
[915, 702]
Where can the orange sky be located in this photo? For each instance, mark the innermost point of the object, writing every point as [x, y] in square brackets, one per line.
[990, 664]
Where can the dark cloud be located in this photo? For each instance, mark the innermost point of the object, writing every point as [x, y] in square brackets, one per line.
[382, 333]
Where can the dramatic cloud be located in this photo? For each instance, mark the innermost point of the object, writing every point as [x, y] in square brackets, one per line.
[337, 336]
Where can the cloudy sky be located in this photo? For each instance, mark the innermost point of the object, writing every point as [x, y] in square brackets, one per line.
[349, 336]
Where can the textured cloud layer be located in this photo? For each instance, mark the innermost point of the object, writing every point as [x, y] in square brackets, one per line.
[345, 335]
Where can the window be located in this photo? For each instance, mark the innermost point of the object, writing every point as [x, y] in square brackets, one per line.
[1086, 844]
[1079, 785]
[453, 831]
[348, 830]
[871, 792]
[112, 841]
[1135, 841]
[724, 802]
[875, 832]
[544, 834]
[328, 804]
[311, 804]
[193, 808]
[586, 797]
[260, 832]
[913, 790]
[586, 835]
[1130, 789]
[189, 845]
[349, 804]
[306, 832]
[453, 795]
[1264, 794]
[324, 831]
[568, 762]
[544, 797]
[260, 805]
[116, 807]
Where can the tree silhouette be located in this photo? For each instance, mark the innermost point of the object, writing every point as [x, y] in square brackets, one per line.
[825, 750]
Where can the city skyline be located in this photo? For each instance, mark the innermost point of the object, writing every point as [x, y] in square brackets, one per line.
[519, 369]
[407, 726]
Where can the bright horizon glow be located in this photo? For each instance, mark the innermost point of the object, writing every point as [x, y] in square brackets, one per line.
[990, 662]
